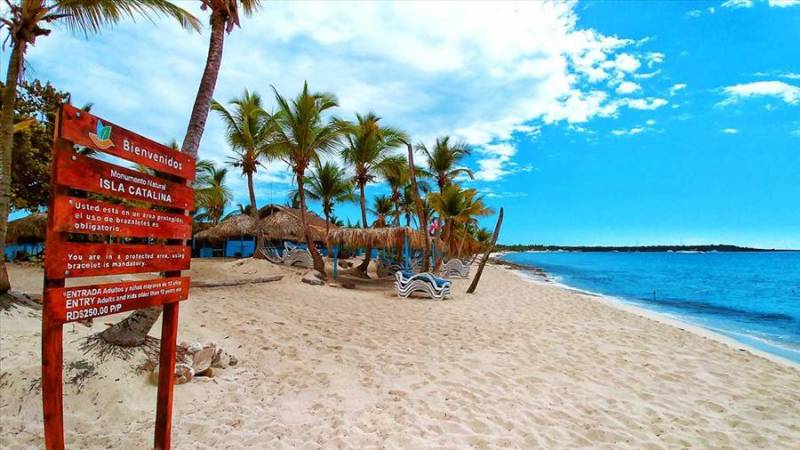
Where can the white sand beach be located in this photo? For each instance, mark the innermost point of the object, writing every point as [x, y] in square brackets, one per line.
[518, 365]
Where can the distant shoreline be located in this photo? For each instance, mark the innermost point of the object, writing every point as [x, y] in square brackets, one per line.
[721, 248]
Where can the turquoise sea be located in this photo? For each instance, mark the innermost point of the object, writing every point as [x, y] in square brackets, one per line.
[753, 298]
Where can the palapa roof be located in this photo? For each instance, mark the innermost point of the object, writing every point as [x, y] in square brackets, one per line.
[232, 227]
[277, 222]
[388, 237]
[281, 222]
[29, 228]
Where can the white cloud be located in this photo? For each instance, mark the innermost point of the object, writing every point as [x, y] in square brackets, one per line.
[655, 58]
[626, 62]
[786, 92]
[676, 87]
[784, 3]
[628, 132]
[791, 75]
[738, 4]
[644, 103]
[627, 87]
[730, 130]
[695, 13]
[479, 80]
[647, 75]
[650, 122]
[497, 161]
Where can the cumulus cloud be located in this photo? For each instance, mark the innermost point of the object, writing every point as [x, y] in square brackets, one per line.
[496, 162]
[676, 87]
[644, 103]
[738, 4]
[427, 68]
[730, 130]
[783, 3]
[627, 87]
[775, 89]
[628, 132]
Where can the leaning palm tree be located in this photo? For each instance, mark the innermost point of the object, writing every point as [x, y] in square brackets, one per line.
[248, 127]
[211, 196]
[25, 22]
[367, 145]
[329, 184]
[443, 161]
[300, 136]
[224, 17]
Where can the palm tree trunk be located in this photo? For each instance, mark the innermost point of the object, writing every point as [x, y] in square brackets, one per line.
[489, 250]
[132, 330]
[363, 200]
[421, 211]
[446, 235]
[258, 252]
[135, 327]
[461, 244]
[319, 263]
[205, 92]
[6, 146]
[396, 201]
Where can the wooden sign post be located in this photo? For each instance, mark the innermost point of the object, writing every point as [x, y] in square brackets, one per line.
[93, 202]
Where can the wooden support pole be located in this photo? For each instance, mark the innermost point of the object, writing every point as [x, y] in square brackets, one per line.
[52, 384]
[166, 376]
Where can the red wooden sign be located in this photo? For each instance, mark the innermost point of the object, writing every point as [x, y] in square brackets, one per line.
[84, 129]
[85, 302]
[85, 216]
[89, 174]
[72, 259]
[71, 216]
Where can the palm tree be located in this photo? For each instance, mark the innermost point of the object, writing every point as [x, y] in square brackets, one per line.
[329, 184]
[248, 127]
[443, 160]
[394, 170]
[25, 23]
[224, 17]
[382, 206]
[210, 193]
[300, 136]
[368, 144]
[457, 206]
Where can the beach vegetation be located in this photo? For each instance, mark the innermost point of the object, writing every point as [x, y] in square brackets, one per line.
[301, 136]
[367, 145]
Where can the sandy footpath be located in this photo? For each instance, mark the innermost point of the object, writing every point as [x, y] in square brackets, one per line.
[518, 365]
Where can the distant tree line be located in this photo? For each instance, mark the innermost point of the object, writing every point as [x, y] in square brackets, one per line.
[634, 248]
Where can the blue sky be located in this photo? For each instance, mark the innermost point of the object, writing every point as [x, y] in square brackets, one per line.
[591, 122]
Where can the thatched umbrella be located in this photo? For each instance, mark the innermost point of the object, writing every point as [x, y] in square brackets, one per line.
[233, 227]
[32, 228]
[284, 223]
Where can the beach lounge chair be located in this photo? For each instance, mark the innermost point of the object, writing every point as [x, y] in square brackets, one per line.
[455, 268]
[406, 283]
[296, 256]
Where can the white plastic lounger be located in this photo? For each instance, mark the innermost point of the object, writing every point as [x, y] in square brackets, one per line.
[407, 283]
[455, 268]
